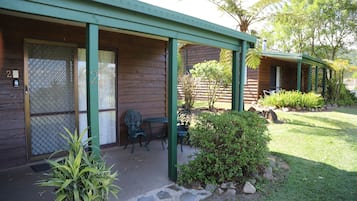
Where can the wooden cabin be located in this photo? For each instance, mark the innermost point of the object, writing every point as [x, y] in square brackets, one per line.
[79, 64]
[277, 71]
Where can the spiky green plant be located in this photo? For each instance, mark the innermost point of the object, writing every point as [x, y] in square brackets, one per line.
[80, 176]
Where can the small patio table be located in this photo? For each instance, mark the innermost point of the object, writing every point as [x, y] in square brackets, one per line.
[162, 120]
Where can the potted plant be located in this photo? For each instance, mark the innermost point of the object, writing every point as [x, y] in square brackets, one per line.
[80, 176]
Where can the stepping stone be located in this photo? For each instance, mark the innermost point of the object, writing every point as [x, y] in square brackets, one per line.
[163, 195]
[187, 196]
[148, 198]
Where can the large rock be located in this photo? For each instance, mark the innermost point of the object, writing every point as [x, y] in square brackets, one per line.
[268, 173]
[249, 188]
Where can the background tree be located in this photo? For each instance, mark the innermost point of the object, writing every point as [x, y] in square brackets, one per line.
[323, 28]
[213, 73]
[243, 14]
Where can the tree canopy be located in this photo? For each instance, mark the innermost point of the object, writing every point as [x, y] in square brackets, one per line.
[322, 28]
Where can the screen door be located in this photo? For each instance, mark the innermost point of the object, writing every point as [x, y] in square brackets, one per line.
[49, 89]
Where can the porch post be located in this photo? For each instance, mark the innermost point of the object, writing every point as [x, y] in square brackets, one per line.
[316, 77]
[92, 87]
[324, 74]
[242, 75]
[309, 78]
[298, 86]
[235, 80]
[172, 109]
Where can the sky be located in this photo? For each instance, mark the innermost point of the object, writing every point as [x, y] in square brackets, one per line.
[202, 9]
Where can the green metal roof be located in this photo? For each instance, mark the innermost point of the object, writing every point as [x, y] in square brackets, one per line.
[134, 16]
[293, 57]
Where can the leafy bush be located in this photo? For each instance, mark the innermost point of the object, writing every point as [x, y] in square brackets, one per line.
[337, 93]
[189, 87]
[81, 176]
[293, 99]
[232, 145]
[215, 74]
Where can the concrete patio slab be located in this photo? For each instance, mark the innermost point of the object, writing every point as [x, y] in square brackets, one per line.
[139, 173]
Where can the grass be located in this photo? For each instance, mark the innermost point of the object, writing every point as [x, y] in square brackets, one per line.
[204, 104]
[321, 150]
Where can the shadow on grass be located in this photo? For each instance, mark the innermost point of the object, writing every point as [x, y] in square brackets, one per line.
[341, 128]
[347, 110]
[313, 181]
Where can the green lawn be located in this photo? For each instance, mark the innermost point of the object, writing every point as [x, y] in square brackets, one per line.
[321, 150]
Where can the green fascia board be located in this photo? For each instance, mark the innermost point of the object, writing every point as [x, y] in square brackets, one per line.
[293, 57]
[130, 15]
[147, 9]
[307, 59]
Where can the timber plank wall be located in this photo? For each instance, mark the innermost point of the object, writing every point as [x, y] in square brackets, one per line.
[225, 93]
[288, 75]
[192, 54]
[141, 64]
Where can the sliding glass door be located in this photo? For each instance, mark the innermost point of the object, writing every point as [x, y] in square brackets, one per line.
[107, 95]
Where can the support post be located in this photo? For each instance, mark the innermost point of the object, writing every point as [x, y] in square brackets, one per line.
[324, 75]
[242, 75]
[235, 80]
[298, 75]
[309, 78]
[172, 109]
[92, 88]
[316, 78]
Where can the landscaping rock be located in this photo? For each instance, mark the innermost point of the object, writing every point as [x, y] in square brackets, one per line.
[271, 116]
[272, 161]
[252, 109]
[249, 188]
[253, 181]
[220, 191]
[163, 195]
[174, 187]
[268, 173]
[283, 165]
[187, 196]
[210, 187]
[196, 185]
[230, 193]
[285, 109]
[228, 185]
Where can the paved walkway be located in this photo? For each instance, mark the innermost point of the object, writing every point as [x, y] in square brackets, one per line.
[173, 192]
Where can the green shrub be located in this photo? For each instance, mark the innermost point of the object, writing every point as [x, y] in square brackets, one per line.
[189, 86]
[346, 97]
[232, 145]
[293, 99]
[337, 93]
[215, 75]
[81, 176]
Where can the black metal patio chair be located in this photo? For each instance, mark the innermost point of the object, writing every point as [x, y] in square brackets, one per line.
[133, 121]
[183, 124]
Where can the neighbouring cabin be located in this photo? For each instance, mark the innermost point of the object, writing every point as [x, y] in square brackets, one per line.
[277, 71]
[132, 75]
[192, 54]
